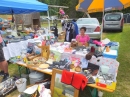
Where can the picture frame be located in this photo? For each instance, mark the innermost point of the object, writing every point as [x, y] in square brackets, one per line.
[59, 89]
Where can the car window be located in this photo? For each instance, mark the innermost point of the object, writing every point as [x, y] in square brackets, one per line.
[113, 17]
[87, 21]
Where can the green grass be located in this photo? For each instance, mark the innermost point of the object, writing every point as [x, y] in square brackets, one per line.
[123, 77]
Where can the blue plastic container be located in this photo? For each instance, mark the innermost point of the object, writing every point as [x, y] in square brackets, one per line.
[112, 54]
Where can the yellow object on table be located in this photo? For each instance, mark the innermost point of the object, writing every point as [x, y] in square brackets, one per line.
[18, 57]
[112, 86]
[97, 80]
[45, 51]
[107, 49]
[24, 59]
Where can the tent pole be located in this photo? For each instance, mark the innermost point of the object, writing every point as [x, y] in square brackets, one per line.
[87, 14]
[102, 20]
[48, 20]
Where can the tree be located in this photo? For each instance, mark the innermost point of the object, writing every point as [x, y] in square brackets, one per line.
[71, 10]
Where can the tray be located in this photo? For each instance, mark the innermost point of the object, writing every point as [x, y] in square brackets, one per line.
[7, 86]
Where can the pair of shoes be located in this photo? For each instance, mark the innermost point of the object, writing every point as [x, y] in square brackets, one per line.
[6, 76]
[2, 73]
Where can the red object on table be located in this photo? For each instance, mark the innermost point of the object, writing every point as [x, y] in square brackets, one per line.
[79, 81]
[43, 43]
[101, 85]
[76, 80]
[92, 49]
[67, 77]
[35, 36]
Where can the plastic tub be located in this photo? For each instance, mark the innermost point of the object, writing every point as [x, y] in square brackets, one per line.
[112, 54]
[36, 77]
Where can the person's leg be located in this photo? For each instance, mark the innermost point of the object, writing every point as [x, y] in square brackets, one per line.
[1, 67]
[5, 69]
[1, 59]
[4, 66]
[2, 70]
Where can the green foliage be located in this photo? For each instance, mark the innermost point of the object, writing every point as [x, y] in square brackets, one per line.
[71, 10]
[69, 3]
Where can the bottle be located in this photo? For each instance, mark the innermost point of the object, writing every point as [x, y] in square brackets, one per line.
[97, 80]
[92, 49]
[107, 49]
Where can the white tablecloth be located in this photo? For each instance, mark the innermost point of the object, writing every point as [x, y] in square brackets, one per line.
[14, 49]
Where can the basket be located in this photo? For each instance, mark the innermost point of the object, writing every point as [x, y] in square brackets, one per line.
[32, 56]
[86, 45]
[39, 60]
[61, 36]
[74, 44]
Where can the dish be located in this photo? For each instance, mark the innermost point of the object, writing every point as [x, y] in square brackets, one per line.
[44, 66]
[78, 69]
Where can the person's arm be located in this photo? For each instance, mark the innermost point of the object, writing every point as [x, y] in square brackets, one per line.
[87, 38]
[77, 38]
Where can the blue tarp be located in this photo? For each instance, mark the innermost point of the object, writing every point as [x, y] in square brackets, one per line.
[21, 6]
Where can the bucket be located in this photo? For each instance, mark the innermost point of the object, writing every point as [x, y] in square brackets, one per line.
[21, 84]
[36, 77]
[100, 94]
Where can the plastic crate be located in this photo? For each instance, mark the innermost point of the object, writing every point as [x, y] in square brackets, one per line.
[115, 47]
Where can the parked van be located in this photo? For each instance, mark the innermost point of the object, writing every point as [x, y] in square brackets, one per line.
[113, 21]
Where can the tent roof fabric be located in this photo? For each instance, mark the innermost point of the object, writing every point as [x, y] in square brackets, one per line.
[83, 5]
[21, 6]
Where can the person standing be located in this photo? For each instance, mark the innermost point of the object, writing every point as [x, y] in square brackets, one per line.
[1, 23]
[3, 63]
[61, 12]
[63, 21]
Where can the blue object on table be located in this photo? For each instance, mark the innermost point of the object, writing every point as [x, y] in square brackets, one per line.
[112, 44]
[29, 50]
[27, 37]
[112, 54]
[91, 41]
[84, 63]
[10, 36]
[31, 34]
[2, 32]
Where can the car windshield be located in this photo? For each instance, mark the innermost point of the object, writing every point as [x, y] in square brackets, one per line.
[87, 21]
[113, 17]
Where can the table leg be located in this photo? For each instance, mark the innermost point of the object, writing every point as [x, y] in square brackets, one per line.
[27, 71]
[19, 70]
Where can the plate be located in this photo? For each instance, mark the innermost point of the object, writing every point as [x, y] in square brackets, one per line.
[44, 66]
[31, 90]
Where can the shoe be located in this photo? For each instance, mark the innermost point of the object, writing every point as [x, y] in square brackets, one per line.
[6, 76]
[2, 73]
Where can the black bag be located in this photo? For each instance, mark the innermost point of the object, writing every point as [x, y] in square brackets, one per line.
[54, 28]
